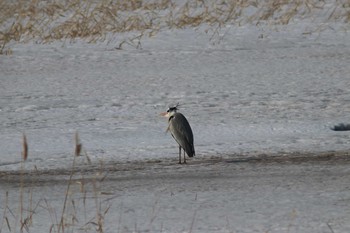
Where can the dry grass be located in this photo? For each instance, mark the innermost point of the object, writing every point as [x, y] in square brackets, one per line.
[46, 21]
[24, 148]
[62, 220]
[78, 145]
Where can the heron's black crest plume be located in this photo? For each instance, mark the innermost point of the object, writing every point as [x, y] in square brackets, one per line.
[174, 108]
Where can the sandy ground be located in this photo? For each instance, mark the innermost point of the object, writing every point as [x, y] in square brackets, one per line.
[299, 193]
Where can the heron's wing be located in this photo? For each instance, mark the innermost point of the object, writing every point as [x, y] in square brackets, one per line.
[180, 127]
[182, 132]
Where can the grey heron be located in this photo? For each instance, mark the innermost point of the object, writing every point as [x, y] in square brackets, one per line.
[181, 131]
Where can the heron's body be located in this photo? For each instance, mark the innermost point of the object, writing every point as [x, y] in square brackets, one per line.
[181, 131]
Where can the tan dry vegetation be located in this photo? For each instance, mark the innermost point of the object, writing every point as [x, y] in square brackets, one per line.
[74, 201]
[46, 21]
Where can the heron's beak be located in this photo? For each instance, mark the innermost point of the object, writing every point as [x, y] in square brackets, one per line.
[164, 114]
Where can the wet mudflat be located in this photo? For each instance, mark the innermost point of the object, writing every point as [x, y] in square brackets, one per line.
[299, 193]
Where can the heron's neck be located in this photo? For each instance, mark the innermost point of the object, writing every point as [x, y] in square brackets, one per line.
[171, 115]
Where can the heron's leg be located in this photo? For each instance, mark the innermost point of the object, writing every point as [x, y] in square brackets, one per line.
[179, 154]
[184, 156]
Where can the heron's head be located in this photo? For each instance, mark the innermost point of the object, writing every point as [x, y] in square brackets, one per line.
[171, 111]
